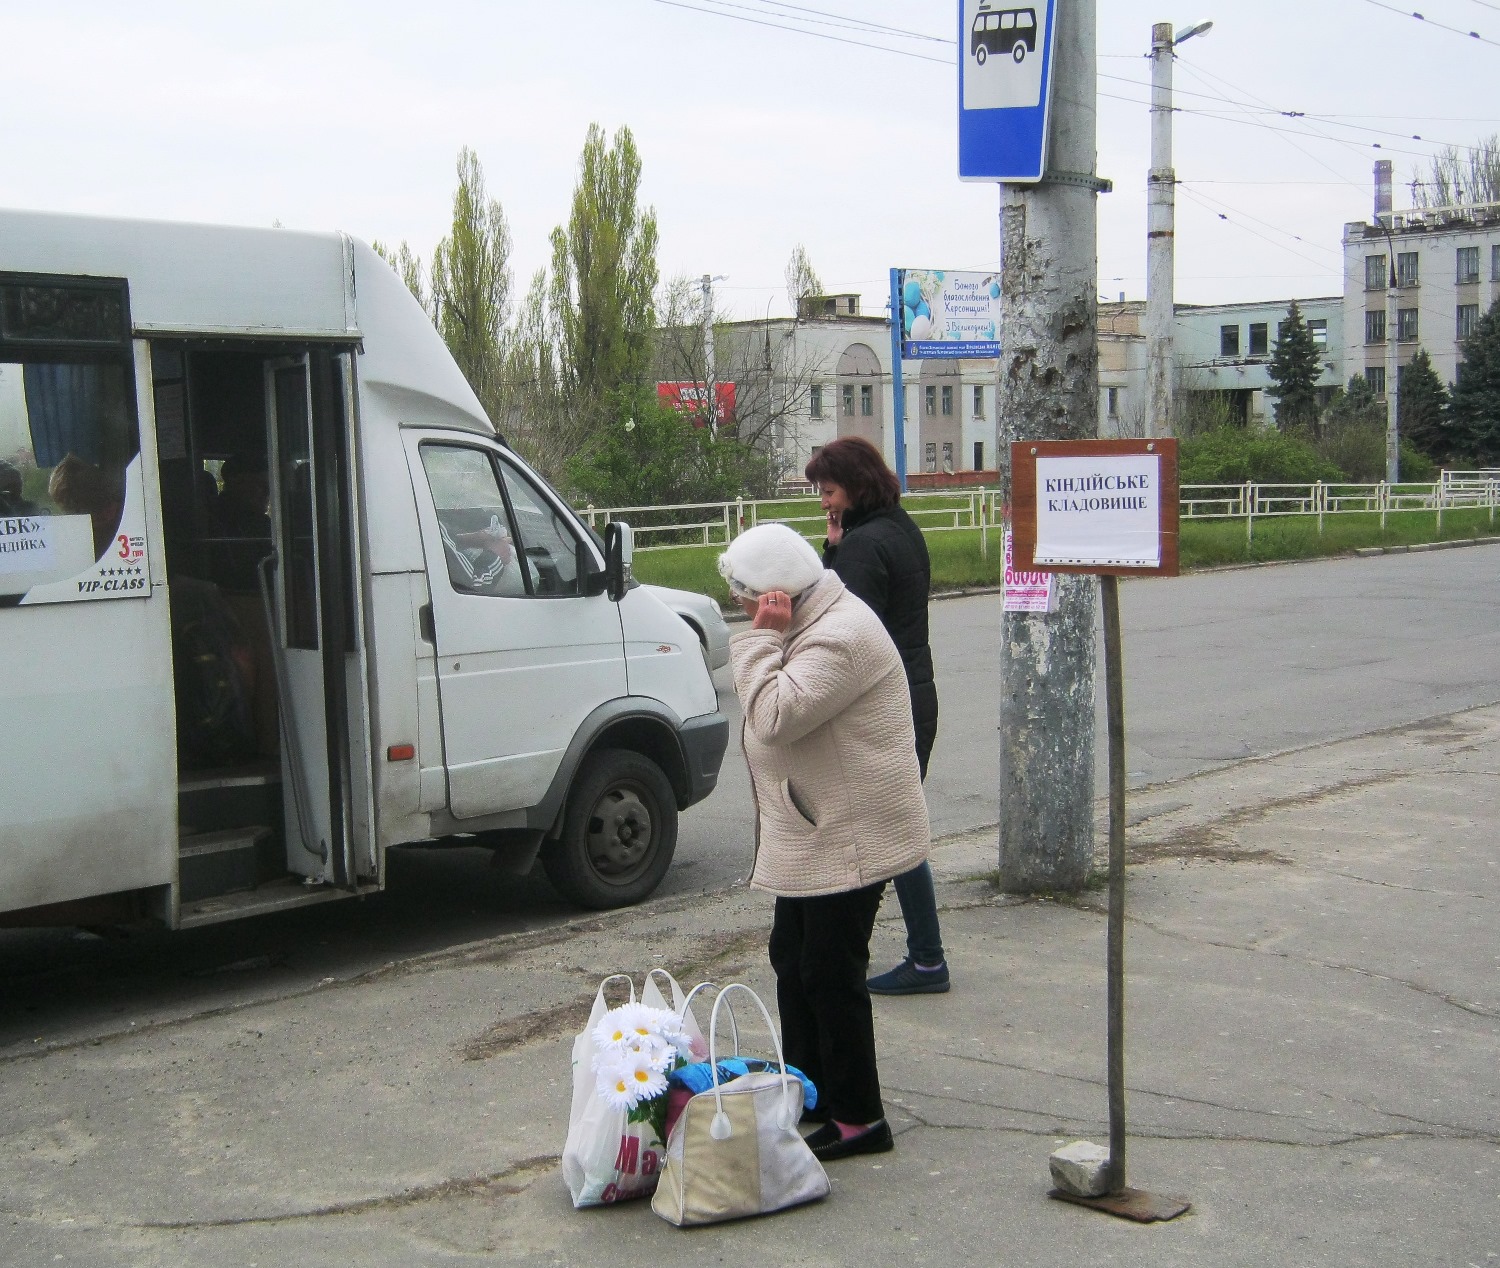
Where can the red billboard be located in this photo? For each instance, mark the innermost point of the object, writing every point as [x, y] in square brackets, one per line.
[692, 399]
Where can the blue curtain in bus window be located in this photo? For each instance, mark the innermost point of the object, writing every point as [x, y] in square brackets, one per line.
[63, 402]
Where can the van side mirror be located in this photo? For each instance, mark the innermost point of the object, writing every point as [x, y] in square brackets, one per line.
[619, 551]
[592, 579]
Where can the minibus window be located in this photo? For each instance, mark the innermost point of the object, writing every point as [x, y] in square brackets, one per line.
[546, 540]
[475, 526]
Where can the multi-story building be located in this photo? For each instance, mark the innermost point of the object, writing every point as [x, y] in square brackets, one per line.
[1416, 279]
[803, 382]
[1219, 350]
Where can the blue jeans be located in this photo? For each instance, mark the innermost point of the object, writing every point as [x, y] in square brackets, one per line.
[924, 939]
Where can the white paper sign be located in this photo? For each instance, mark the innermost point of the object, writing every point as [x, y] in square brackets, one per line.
[26, 543]
[1027, 591]
[1099, 511]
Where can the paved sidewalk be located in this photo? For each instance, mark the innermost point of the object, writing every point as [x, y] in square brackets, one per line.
[1314, 1035]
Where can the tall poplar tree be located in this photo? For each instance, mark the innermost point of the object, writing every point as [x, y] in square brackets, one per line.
[471, 285]
[583, 348]
[1294, 370]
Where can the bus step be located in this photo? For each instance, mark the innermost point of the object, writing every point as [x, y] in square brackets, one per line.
[283, 894]
[211, 863]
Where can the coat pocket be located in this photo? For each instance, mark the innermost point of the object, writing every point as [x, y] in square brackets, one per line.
[797, 803]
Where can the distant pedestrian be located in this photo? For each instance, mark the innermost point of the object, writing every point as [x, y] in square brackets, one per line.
[839, 810]
[877, 550]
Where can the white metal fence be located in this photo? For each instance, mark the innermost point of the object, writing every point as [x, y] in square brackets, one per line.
[717, 523]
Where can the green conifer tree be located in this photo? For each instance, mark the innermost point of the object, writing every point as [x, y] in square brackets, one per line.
[1422, 408]
[1474, 405]
[1294, 370]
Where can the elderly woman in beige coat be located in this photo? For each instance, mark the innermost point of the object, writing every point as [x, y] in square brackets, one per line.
[839, 810]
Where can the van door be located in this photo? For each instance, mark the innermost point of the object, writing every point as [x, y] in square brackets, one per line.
[524, 653]
[313, 587]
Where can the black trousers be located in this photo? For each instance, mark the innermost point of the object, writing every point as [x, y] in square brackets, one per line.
[820, 949]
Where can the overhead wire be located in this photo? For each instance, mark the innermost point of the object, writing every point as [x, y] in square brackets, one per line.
[1425, 20]
[800, 30]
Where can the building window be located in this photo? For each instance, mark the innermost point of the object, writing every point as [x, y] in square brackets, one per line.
[866, 399]
[1468, 319]
[815, 400]
[947, 400]
[1229, 341]
[1406, 325]
[929, 456]
[979, 455]
[948, 456]
[1318, 329]
[1468, 264]
[848, 400]
[1375, 377]
[1495, 263]
[978, 402]
[1375, 325]
[929, 401]
[1374, 272]
[1406, 268]
[1113, 397]
[1259, 345]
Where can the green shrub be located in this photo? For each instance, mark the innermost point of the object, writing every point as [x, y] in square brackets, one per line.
[1233, 455]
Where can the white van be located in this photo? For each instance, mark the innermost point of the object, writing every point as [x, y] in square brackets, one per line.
[274, 597]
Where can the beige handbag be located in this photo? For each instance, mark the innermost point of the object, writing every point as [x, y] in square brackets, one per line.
[735, 1150]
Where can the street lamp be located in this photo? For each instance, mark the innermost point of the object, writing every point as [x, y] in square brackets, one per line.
[1161, 203]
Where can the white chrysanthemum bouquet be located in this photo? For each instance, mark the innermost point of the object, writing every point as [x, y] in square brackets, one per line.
[635, 1048]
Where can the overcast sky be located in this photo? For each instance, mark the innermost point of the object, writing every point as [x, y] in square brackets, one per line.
[326, 114]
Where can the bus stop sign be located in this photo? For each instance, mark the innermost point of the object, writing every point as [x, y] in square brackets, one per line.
[1004, 88]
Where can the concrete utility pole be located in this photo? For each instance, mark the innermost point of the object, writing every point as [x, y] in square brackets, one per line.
[1049, 390]
[1161, 231]
[711, 405]
[1385, 219]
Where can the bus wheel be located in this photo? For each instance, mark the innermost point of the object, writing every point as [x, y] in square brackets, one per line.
[980, 54]
[1019, 52]
[619, 831]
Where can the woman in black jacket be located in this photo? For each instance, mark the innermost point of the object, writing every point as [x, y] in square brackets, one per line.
[877, 550]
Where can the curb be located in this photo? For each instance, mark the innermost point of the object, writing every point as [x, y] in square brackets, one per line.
[1369, 552]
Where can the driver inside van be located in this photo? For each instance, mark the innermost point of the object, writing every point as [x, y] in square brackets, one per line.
[478, 558]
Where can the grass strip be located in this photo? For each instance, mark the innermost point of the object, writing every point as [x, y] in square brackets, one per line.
[958, 562]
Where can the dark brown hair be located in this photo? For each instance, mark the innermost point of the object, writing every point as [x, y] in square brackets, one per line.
[857, 467]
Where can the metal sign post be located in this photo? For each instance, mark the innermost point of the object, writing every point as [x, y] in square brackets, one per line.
[1110, 508]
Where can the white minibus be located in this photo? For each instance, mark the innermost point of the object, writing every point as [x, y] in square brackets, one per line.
[275, 597]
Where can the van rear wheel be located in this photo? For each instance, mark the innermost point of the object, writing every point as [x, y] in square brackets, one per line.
[619, 831]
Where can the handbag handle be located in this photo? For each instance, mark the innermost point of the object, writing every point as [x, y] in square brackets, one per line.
[614, 977]
[675, 991]
[720, 1128]
[734, 1026]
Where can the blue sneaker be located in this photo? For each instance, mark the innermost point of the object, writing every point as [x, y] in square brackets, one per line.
[907, 979]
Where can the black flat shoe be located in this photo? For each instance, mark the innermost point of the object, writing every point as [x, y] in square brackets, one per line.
[828, 1144]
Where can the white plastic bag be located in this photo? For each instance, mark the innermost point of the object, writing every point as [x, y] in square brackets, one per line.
[607, 1157]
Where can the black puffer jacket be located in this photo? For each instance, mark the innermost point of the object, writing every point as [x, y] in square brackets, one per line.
[883, 560]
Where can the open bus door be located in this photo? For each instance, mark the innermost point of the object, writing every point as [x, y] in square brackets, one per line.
[310, 588]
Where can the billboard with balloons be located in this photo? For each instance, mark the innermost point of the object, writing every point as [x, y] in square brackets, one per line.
[948, 314]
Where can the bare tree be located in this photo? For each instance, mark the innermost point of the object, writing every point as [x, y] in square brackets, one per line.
[771, 369]
[801, 280]
[1458, 176]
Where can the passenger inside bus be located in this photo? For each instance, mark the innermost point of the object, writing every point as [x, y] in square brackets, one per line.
[79, 487]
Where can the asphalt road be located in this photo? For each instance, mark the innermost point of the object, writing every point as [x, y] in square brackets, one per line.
[1219, 667]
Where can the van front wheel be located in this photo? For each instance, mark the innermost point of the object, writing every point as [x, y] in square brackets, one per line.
[619, 831]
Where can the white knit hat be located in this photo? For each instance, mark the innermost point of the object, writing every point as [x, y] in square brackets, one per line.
[770, 557]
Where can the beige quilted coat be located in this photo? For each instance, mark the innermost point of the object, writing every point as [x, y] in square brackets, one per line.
[828, 738]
